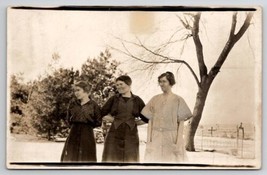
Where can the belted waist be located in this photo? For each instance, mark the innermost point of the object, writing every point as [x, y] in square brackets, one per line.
[164, 129]
[129, 121]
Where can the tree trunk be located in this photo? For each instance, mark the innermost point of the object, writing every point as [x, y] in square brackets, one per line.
[197, 114]
[207, 79]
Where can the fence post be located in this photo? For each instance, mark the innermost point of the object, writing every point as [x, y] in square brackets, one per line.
[242, 142]
[202, 139]
[211, 134]
[237, 137]
[242, 138]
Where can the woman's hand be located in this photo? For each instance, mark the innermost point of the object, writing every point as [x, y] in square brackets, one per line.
[138, 121]
[108, 118]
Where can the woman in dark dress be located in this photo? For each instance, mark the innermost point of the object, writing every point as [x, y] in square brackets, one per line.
[123, 110]
[83, 114]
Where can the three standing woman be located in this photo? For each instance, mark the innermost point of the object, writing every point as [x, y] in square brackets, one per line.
[164, 112]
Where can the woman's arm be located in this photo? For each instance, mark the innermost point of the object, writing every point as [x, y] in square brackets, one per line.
[147, 111]
[108, 118]
[97, 116]
[106, 109]
[143, 119]
[184, 113]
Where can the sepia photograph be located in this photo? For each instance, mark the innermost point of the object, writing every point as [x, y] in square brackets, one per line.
[134, 87]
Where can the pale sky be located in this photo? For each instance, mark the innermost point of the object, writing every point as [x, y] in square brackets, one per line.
[33, 36]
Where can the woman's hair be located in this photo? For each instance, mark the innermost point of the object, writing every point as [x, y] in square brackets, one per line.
[169, 76]
[84, 85]
[126, 79]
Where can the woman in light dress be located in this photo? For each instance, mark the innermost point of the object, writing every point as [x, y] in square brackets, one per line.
[166, 113]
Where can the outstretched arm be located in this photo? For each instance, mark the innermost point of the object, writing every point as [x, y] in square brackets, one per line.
[106, 109]
[143, 120]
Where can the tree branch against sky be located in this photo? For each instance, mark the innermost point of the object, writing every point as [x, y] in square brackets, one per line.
[191, 23]
[169, 45]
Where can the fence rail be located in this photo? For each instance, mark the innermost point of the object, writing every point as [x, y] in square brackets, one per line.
[234, 140]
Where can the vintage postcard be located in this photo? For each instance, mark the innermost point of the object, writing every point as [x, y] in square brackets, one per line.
[136, 87]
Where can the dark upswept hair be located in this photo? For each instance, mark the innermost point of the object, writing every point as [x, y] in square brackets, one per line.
[126, 79]
[84, 85]
[169, 76]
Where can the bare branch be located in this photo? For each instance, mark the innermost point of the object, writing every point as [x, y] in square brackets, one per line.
[170, 41]
[185, 23]
[191, 70]
[183, 46]
[168, 58]
[164, 61]
[199, 47]
[152, 52]
[128, 53]
[244, 26]
[157, 54]
[232, 32]
[141, 45]
[143, 68]
[171, 37]
[230, 43]
[189, 14]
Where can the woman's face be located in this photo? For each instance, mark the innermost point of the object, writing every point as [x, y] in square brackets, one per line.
[122, 87]
[80, 93]
[164, 84]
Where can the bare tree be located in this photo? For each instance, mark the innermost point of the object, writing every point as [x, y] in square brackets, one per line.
[191, 22]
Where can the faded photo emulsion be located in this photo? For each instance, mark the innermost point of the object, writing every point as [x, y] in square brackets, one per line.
[147, 87]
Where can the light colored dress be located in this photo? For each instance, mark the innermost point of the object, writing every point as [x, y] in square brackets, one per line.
[166, 114]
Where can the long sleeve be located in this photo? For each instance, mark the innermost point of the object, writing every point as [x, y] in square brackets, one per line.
[141, 107]
[106, 109]
[184, 112]
[97, 116]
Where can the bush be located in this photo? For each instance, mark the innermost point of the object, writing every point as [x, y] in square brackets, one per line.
[45, 100]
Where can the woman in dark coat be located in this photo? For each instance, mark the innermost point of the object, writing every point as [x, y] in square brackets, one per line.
[83, 114]
[123, 110]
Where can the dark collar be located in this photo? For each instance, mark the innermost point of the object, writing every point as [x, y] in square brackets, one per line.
[133, 96]
[78, 102]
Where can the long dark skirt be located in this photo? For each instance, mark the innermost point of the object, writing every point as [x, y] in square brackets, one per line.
[80, 145]
[121, 145]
